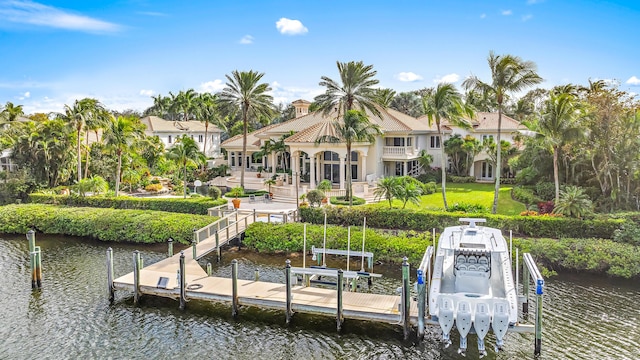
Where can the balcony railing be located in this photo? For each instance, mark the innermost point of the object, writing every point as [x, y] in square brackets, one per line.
[399, 150]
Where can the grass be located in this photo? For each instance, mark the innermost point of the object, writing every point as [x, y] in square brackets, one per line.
[472, 193]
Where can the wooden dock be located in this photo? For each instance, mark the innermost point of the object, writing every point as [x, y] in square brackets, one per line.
[162, 279]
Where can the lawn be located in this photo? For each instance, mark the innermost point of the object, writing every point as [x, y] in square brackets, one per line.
[472, 193]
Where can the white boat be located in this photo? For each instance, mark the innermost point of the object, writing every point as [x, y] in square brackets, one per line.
[472, 286]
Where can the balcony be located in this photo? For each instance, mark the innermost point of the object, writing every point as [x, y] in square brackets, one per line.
[399, 152]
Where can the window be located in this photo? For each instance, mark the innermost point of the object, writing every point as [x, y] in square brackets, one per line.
[200, 138]
[354, 172]
[191, 137]
[487, 138]
[331, 156]
[169, 139]
[354, 156]
[435, 142]
[409, 141]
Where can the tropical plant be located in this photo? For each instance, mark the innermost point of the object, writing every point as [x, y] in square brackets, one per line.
[237, 192]
[407, 103]
[119, 135]
[408, 190]
[315, 197]
[245, 93]
[206, 110]
[269, 182]
[324, 185]
[387, 189]
[424, 160]
[185, 152]
[445, 102]
[573, 202]
[508, 74]
[95, 184]
[10, 112]
[355, 127]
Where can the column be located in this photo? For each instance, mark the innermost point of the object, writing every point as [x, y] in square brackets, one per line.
[363, 166]
[312, 171]
[342, 173]
[273, 163]
[404, 168]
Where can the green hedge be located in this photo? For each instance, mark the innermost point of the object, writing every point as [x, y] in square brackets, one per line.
[138, 226]
[592, 255]
[197, 205]
[270, 238]
[339, 200]
[423, 220]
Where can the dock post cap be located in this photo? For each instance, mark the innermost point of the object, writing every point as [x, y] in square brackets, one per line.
[170, 239]
[405, 261]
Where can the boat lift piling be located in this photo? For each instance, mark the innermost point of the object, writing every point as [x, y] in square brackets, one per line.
[182, 282]
[287, 281]
[406, 299]
[136, 277]
[170, 250]
[534, 274]
[110, 276]
[35, 260]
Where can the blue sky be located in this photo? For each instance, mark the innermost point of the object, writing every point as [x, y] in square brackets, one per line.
[122, 52]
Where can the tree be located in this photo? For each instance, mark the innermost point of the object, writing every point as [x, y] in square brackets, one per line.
[206, 109]
[472, 147]
[508, 74]
[10, 112]
[445, 102]
[407, 103]
[244, 91]
[356, 89]
[384, 97]
[408, 190]
[354, 127]
[120, 134]
[453, 147]
[387, 188]
[424, 160]
[559, 124]
[185, 152]
[573, 202]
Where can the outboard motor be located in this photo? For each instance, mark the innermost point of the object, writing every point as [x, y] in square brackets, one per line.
[445, 318]
[463, 323]
[500, 322]
[481, 323]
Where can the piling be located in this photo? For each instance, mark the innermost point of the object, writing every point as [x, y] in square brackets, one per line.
[287, 281]
[136, 277]
[195, 236]
[406, 299]
[234, 287]
[38, 267]
[110, 276]
[339, 316]
[31, 237]
[421, 303]
[256, 275]
[182, 282]
[525, 285]
[218, 247]
[254, 215]
[538, 341]
[170, 251]
[209, 269]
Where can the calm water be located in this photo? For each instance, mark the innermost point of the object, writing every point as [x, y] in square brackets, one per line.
[585, 318]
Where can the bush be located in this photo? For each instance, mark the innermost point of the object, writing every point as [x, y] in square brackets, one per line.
[214, 192]
[315, 197]
[246, 194]
[429, 188]
[546, 191]
[425, 220]
[545, 207]
[628, 233]
[507, 181]
[462, 179]
[524, 195]
[468, 208]
[177, 205]
[339, 200]
[153, 187]
[139, 226]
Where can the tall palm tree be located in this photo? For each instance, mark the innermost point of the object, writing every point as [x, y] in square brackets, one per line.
[206, 110]
[445, 102]
[354, 127]
[384, 97]
[557, 125]
[356, 89]
[11, 112]
[185, 152]
[508, 74]
[120, 134]
[244, 91]
[407, 103]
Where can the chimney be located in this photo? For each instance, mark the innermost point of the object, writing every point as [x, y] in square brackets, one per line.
[301, 106]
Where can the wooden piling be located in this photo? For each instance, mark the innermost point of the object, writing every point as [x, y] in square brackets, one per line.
[421, 303]
[209, 269]
[339, 315]
[234, 287]
[170, 251]
[110, 276]
[218, 255]
[287, 281]
[136, 277]
[194, 249]
[256, 275]
[38, 267]
[406, 300]
[182, 282]
[31, 237]
[525, 285]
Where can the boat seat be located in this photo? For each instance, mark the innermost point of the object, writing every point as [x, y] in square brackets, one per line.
[482, 267]
[483, 260]
[472, 268]
[461, 259]
[472, 260]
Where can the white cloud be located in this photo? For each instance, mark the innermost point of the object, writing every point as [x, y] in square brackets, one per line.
[212, 86]
[147, 92]
[633, 81]
[291, 27]
[27, 94]
[408, 77]
[527, 17]
[449, 78]
[29, 12]
[482, 16]
[286, 94]
[506, 12]
[247, 39]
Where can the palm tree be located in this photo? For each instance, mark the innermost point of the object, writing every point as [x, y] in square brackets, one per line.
[120, 134]
[424, 160]
[11, 112]
[407, 103]
[384, 97]
[356, 90]
[387, 188]
[185, 152]
[472, 147]
[445, 102]
[508, 74]
[206, 109]
[354, 127]
[244, 91]
[573, 202]
[557, 125]
[408, 190]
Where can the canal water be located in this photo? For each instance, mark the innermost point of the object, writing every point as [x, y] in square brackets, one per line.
[586, 317]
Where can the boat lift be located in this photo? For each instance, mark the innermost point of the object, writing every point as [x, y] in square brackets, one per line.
[531, 274]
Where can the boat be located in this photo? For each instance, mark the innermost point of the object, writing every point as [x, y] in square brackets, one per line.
[472, 286]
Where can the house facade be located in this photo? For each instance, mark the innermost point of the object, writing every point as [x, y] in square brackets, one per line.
[394, 153]
[170, 131]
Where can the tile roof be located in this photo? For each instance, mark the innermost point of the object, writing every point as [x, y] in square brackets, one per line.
[489, 121]
[156, 124]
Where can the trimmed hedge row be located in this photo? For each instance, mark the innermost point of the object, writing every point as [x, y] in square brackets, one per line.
[196, 205]
[423, 220]
[270, 238]
[138, 226]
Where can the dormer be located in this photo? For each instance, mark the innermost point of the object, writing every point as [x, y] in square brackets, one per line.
[302, 107]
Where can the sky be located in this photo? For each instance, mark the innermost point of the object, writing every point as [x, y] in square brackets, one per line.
[124, 52]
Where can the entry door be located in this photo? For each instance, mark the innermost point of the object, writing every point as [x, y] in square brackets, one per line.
[487, 171]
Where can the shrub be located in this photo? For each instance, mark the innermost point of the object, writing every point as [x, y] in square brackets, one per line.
[628, 233]
[507, 181]
[153, 187]
[315, 197]
[139, 226]
[429, 188]
[178, 205]
[524, 195]
[339, 200]
[545, 207]
[468, 208]
[529, 213]
[247, 193]
[462, 179]
[324, 185]
[546, 191]
[214, 192]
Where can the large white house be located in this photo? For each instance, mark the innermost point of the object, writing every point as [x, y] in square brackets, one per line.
[170, 131]
[395, 152]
